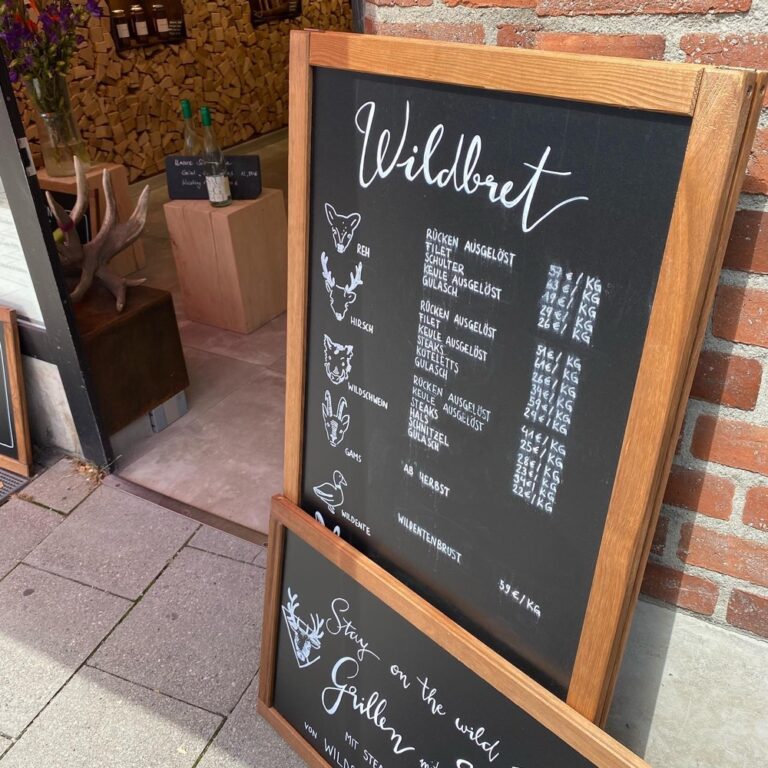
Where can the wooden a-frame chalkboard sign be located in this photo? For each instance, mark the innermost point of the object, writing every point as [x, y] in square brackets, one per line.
[501, 263]
[15, 446]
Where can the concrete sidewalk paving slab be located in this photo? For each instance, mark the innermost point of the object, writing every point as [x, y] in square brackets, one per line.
[99, 721]
[261, 558]
[50, 625]
[114, 541]
[4, 744]
[682, 681]
[61, 487]
[196, 633]
[220, 543]
[22, 527]
[248, 741]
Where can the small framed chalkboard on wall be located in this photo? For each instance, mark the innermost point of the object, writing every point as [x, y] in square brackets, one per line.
[265, 11]
[15, 446]
[501, 264]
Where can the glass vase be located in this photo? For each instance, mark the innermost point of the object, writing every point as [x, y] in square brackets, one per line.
[59, 135]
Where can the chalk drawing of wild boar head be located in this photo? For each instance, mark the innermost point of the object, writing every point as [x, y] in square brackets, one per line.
[338, 359]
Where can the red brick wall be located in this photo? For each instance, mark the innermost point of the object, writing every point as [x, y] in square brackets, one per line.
[710, 552]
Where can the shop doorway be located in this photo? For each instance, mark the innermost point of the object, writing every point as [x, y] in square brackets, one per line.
[224, 455]
[214, 453]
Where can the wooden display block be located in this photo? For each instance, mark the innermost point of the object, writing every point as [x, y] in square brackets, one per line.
[231, 261]
[135, 356]
[131, 258]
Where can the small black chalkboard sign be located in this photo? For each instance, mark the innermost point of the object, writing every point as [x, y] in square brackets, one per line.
[265, 11]
[356, 677]
[186, 180]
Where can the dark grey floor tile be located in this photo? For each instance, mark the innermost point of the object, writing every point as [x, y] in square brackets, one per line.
[22, 527]
[114, 541]
[61, 487]
[99, 721]
[196, 633]
[48, 627]
[248, 741]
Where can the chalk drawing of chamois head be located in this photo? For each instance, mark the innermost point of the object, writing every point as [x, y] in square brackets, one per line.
[336, 421]
[342, 227]
[338, 359]
[341, 295]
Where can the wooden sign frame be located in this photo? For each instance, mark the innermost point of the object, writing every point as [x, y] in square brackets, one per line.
[16, 397]
[724, 108]
[553, 713]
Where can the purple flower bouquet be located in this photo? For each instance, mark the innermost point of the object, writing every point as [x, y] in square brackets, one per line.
[38, 44]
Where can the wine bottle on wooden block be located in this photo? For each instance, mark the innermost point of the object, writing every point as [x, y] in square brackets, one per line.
[214, 167]
[192, 142]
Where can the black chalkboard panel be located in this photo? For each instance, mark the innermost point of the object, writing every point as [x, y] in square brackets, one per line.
[481, 271]
[8, 440]
[186, 180]
[364, 687]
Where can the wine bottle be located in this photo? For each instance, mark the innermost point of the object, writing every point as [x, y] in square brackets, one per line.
[192, 143]
[214, 166]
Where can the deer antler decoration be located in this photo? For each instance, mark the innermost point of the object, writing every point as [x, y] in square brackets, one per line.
[93, 258]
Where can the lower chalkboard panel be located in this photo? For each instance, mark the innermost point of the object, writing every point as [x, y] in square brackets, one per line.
[358, 684]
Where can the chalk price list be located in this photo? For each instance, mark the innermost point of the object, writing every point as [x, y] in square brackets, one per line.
[568, 310]
[447, 342]
[450, 346]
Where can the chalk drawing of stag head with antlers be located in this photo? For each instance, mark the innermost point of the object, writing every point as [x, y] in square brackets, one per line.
[92, 258]
[342, 296]
[305, 638]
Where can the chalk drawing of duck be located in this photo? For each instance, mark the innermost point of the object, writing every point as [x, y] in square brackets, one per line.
[331, 494]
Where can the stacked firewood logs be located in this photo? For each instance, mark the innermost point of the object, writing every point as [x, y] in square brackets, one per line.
[127, 103]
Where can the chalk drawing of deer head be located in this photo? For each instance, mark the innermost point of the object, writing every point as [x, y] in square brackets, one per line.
[342, 296]
[305, 638]
[342, 227]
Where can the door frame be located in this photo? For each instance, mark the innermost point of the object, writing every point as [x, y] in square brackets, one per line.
[57, 341]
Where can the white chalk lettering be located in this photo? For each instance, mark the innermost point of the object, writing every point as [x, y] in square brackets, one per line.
[371, 707]
[379, 158]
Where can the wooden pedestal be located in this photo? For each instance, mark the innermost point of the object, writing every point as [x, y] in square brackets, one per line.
[135, 356]
[231, 261]
[131, 258]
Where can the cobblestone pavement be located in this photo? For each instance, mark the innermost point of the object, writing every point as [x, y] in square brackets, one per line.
[129, 635]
